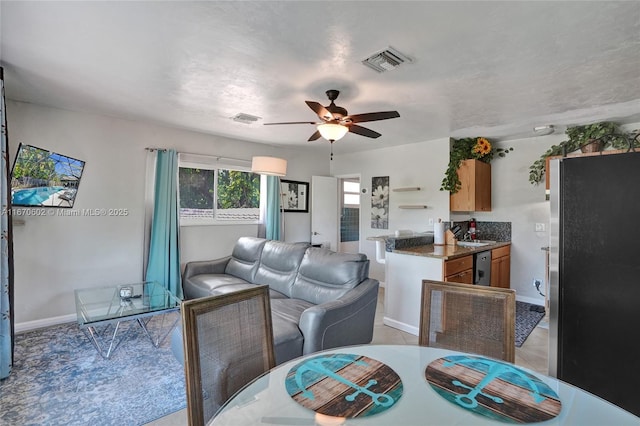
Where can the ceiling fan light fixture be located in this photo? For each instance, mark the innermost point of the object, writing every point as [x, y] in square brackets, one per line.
[332, 132]
[271, 166]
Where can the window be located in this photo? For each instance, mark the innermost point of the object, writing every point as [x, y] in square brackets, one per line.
[351, 194]
[216, 193]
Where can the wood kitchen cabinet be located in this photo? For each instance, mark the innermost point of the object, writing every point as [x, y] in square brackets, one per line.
[501, 267]
[475, 192]
[459, 270]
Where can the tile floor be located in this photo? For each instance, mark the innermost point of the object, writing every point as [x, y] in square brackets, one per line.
[532, 354]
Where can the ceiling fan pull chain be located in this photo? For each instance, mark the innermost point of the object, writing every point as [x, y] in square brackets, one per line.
[331, 145]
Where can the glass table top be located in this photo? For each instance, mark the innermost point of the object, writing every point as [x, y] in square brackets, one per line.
[116, 303]
[267, 399]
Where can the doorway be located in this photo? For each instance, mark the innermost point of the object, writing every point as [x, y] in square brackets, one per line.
[349, 190]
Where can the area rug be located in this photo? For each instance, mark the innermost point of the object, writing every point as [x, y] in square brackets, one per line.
[58, 378]
[526, 321]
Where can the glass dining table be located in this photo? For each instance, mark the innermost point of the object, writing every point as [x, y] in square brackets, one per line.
[411, 385]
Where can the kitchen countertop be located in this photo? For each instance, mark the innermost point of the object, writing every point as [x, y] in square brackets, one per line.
[447, 252]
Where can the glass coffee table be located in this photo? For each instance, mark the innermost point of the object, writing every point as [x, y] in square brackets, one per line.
[101, 311]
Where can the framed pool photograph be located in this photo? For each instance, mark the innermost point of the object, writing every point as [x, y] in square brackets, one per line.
[295, 196]
[42, 178]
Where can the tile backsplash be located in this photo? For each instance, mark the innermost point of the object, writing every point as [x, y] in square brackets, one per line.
[493, 231]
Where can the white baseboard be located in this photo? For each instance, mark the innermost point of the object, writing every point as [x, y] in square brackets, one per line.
[532, 300]
[401, 326]
[46, 322]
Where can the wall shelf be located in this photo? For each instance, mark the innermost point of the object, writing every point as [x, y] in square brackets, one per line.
[411, 188]
[413, 206]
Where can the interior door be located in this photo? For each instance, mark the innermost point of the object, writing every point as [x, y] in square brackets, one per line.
[324, 211]
[349, 214]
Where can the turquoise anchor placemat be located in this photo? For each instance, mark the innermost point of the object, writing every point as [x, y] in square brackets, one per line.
[493, 388]
[344, 385]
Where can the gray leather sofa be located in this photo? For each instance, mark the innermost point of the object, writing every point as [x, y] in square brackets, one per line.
[320, 299]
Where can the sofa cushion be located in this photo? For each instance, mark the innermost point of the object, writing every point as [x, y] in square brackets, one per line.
[273, 294]
[279, 265]
[289, 309]
[325, 275]
[204, 285]
[287, 337]
[245, 258]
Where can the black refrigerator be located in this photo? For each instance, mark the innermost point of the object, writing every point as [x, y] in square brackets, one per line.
[594, 271]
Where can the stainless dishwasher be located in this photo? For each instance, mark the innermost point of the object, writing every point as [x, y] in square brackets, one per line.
[482, 268]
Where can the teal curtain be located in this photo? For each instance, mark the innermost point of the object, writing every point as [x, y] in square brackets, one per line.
[164, 257]
[272, 216]
[6, 248]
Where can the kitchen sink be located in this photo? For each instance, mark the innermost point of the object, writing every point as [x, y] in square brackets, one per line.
[475, 243]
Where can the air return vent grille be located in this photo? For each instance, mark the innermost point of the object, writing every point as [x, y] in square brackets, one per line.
[245, 118]
[386, 60]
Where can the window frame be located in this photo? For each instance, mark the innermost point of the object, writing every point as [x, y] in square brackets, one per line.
[355, 193]
[215, 164]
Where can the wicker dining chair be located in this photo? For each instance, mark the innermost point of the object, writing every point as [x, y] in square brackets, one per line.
[228, 342]
[469, 318]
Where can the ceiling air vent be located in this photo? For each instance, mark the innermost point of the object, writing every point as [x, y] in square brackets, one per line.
[386, 60]
[245, 118]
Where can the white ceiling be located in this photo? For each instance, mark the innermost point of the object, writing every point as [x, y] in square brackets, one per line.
[495, 69]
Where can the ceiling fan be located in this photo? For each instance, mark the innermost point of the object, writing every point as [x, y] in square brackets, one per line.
[335, 121]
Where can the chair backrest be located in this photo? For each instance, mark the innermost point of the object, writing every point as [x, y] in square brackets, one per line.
[469, 318]
[228, 342]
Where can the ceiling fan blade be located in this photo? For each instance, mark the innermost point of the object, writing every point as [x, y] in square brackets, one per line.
[314, 136]
[290, 122]
[372, 116]
[320, 110]
[363, 131]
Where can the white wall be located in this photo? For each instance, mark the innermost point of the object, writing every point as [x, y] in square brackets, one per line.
[420, 164]
[517, 201]
[56, 254]
[514, 199]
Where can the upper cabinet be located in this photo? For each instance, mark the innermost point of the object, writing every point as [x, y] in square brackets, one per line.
[475, 193]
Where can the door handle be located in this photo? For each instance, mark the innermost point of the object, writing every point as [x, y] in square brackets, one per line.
[315, 233]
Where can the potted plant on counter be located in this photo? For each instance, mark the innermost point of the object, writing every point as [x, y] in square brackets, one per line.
[468, 149]
[588, 138]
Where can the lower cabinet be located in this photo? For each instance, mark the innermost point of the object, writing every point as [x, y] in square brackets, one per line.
[501, 267]
[459, 270]
[464, 277]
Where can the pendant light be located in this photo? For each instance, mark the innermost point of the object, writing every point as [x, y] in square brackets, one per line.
[271, 166]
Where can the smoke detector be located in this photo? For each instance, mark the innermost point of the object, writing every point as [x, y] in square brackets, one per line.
[245, 118]
[543, 130]
[386, 60]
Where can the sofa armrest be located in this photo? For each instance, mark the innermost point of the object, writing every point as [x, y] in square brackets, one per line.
[216, 266]
[345, 321]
